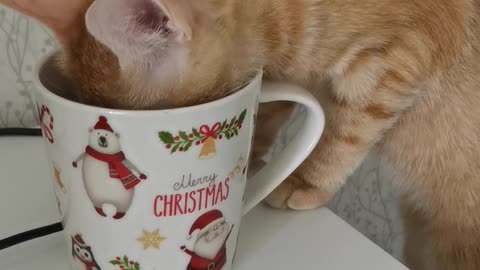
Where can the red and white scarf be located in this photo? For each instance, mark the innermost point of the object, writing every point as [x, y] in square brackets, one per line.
[117, 169]
[88, 265]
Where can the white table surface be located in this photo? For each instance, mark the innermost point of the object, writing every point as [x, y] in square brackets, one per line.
[269, 239]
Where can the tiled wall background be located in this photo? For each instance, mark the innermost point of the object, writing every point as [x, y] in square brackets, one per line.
[366, 202]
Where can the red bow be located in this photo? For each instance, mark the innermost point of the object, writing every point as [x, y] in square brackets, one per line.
[209, 132]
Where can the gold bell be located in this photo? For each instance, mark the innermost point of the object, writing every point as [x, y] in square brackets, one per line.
[209, 149]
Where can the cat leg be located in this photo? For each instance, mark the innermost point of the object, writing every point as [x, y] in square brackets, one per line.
[369, 95]
[448, 247]
[414, 248]
[441, 239]
[453, 241]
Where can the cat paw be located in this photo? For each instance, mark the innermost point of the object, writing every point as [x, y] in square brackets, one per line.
[295, 194]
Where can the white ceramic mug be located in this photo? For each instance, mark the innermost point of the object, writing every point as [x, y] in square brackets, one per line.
[161, 189]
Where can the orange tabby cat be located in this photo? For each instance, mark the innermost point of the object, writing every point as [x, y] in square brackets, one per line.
[403, 77]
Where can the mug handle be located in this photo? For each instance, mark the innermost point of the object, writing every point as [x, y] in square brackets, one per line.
[281, 166]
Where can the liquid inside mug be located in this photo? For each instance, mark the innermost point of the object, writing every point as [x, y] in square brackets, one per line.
[161, 189]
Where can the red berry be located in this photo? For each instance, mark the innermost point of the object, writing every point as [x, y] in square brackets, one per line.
[220, 137]
[121, 267]
[177, 138]
[131, 262]
[168, 146]
[197, 142]
[226, 126]
[118, 258]
[190, 136]
[236, 122]
[181, 149]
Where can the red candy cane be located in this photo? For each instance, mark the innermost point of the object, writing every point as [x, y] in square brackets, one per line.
[46, 128]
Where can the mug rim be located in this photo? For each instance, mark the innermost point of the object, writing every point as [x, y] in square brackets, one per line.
[43, 90]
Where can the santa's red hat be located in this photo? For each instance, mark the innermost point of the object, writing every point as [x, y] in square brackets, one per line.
[79, 240]
[205, 221]
[103, 124]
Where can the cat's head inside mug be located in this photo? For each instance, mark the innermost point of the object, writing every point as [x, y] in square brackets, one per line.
[154, 54]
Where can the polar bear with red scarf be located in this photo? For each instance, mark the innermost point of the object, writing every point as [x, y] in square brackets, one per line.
[108, 175]
[210, 248]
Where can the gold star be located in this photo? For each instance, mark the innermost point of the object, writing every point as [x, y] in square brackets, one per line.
[58, 179]
[151, 239]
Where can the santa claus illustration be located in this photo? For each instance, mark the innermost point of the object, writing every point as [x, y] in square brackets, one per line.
[108, 175]
[209, 250]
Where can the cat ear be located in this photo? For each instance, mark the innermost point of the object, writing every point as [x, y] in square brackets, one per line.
[180, 15]
[140, 30]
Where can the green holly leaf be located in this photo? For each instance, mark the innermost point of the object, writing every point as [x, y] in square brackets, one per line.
[195, 133]
[187, 146]
[166, 137]
[183, 135]
[125, 260]
[137, 266]
[114, 262]
[227, 134]
[242, 117]
[175, 148]
[223, 125]
[233, 121]
[235, 130]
